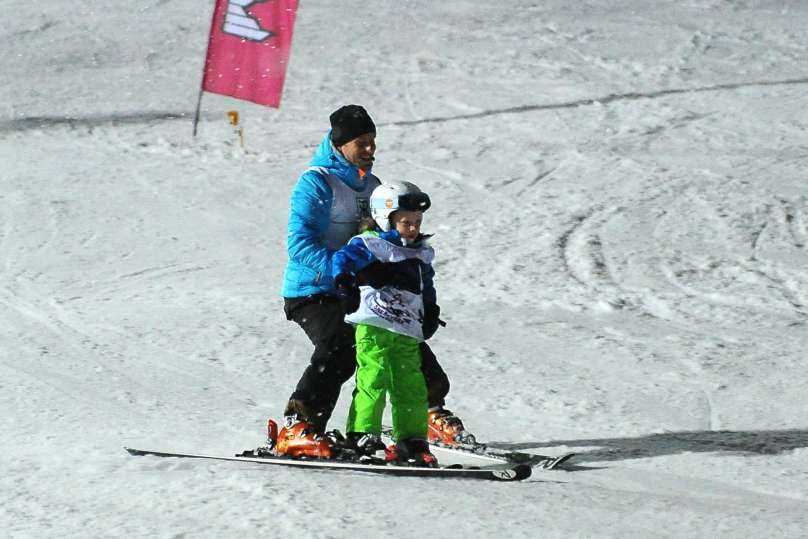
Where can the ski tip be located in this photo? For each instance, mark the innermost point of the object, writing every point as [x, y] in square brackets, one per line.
[554, 463]
[140, 452]
[514, 473]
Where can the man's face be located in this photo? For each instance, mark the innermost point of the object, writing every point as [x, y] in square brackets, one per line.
[360, 150]
[408, 223]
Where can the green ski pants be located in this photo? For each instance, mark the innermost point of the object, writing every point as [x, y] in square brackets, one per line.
[388, 363]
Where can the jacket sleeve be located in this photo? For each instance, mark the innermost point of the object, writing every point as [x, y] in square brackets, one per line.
[428, 292]
[308, 220]
[352, 258]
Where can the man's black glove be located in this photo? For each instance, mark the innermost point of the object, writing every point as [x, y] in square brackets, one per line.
[431, 320]
[376, 275]
[347, 292]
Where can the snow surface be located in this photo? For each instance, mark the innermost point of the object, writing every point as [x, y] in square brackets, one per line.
[621, 224]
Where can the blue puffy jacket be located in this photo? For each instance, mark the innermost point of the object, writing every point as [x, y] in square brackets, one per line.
[308, 270]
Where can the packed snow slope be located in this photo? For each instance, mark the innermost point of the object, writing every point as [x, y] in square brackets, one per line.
[621, 225]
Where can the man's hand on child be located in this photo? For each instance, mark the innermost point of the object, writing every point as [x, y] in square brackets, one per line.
[347, 292]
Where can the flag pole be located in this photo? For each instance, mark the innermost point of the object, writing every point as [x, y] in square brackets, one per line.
[198, 107]
[204, 69]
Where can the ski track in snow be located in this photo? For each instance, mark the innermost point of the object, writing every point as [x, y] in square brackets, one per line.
[620, 222]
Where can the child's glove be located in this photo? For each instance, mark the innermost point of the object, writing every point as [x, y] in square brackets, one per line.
[431, 320]
[347, 292]
[376, 275]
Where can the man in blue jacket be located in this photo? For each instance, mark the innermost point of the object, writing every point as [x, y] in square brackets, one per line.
[327, 204]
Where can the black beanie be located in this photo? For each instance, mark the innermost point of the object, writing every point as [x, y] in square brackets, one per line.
[349, 122]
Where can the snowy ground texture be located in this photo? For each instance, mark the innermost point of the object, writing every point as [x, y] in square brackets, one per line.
[621, 223]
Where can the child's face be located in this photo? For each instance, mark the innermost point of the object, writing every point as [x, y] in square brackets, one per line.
[408, 223]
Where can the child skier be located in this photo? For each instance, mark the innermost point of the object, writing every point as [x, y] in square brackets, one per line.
[391, 320]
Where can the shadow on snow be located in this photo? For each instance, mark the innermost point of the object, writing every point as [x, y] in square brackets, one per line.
[765, 442]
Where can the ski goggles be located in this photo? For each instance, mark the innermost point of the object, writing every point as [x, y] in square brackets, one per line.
[414, 202]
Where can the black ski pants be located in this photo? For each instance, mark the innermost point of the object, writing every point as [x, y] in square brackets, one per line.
[333, 361]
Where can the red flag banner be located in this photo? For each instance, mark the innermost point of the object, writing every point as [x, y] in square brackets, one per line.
[249, 49]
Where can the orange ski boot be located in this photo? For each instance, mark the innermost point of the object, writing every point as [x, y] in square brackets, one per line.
[445, 428]
[297, 439]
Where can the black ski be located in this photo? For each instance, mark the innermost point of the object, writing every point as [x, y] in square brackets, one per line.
[498, 472]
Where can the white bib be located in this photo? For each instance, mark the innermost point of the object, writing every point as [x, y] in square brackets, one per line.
[399, 311]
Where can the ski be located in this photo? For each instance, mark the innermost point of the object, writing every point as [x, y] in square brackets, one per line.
[482, 453]
[497, 472]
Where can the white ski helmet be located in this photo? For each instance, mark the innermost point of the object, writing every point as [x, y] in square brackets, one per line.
[395, 195]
